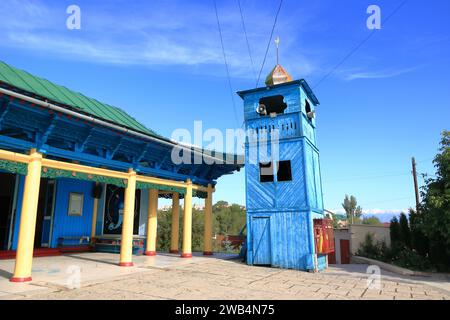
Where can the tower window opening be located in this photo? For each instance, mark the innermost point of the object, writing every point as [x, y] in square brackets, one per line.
[307, 109]
[273, 105]
[265, 172]
[284, 170]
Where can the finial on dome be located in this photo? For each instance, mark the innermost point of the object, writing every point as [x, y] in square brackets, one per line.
[277, 42]
[278, 74]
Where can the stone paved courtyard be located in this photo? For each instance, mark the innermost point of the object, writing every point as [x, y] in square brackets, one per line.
[169, 277]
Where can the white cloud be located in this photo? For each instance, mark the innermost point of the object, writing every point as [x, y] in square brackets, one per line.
[150, 34]
[380, 74]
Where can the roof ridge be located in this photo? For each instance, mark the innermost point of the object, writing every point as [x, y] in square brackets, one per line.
[70, 98]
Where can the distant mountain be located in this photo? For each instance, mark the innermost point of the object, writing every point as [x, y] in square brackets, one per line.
[384, 217]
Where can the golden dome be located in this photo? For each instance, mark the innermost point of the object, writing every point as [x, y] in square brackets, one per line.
[278, 75]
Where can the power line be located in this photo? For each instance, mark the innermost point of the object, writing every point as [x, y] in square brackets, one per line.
[372, 174]
[226, 63]
[377, 175]
[386, 201]
[354, 178]
[246, 39]
[425, 175]
[268, 44]
[358, 46]
[425, 160]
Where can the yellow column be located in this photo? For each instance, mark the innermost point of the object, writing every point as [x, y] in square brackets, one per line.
[94, 219]
[175, 222]
[207, 240]
[152, 222]
[126, 245]
[187, 222]
[24, 256]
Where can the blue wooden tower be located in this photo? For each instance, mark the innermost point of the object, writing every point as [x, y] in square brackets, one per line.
[283, 181]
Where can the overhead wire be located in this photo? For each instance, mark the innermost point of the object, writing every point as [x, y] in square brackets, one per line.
[226, 63]
[359, 45]
[246, 39]
[268, 44]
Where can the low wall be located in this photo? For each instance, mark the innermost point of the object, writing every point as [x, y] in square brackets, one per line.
[358, 233]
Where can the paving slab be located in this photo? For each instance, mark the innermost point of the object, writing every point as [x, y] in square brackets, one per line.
[168, 276]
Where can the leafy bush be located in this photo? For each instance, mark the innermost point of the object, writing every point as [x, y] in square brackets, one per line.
[410, 259]
[399, 255]
[372, 250]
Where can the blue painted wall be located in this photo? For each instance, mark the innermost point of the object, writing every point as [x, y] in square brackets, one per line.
[65, 225]
[292, 95]
[280, 214]
[100, 211]
[18, 212]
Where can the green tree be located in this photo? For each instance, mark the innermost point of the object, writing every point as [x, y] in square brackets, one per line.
[227, 220]
[374, 221]
[435, 207]
[220, 205]
[352, 209]
[394, 229]
[405, 232]
[164, 230]
[337, 218]
[419, 240]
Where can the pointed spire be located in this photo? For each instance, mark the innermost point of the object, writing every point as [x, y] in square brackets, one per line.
[278, 74]
[277, 42]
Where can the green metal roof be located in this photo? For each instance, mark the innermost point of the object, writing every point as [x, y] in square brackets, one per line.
[41, 87]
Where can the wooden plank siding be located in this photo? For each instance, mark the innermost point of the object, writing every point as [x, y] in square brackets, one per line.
[284, 208]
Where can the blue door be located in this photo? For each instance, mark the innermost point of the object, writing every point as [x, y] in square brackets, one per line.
[49, 199]
[261, 240]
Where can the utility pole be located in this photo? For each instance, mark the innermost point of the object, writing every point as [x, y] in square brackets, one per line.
[416, 186]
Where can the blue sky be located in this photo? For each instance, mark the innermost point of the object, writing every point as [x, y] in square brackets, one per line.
[162, 62]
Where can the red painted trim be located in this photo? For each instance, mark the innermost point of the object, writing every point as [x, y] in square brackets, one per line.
[186, 255]
[126, 264]
[207, 253]
[174, 251]
[46, 252]
[150, 253]
[16, 279]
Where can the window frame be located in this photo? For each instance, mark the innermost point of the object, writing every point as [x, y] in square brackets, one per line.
[75, 196]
